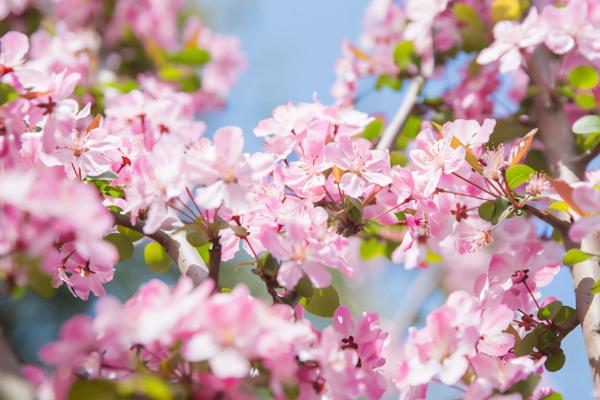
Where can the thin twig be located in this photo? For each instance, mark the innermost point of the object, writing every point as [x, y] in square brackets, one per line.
[175, 243]
[395, 125]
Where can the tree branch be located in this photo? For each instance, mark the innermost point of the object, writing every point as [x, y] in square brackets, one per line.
[395, 126]
[175, 243]
[214, 263]
[565, 163]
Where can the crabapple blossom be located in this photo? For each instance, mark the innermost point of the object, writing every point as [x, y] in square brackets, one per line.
[102, 142]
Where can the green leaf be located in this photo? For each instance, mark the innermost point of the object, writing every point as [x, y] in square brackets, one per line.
[190, 83]
[494, 210]
[583, 77]
[157, 258]
[555, 360]
[372, 248]
[268, 265]
[305, 288]
[587, 125]
[170, 73]
[530, 341]
[403, 54]
[145, 386]
[132, 235]
[197, 237]
[389, 81]
[189, 56]
[94, 389]
[553, 396]
[7, 93]
[323, 302]
[124, 86]
[486, 210]
[472, 32]
[398, 158]
[566, 318]
[411, 127]
[585, 101]
[121, 243]
[373, 130]
[525, 387]
[596, 287]
[204, 252]
[549, 311]
[575, 256]
[516, 175]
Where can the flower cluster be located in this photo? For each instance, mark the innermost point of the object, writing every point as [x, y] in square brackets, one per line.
[86, 142]
[399, 41]
[226, 344]
[45, 227]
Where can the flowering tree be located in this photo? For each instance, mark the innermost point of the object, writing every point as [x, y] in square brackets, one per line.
[101, 147]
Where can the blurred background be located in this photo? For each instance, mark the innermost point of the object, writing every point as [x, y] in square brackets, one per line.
[291, 47]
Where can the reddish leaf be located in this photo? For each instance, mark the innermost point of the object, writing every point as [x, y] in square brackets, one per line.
[520, 150]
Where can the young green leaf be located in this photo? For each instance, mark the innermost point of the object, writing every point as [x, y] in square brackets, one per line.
[516, 175]
[157, 258]
[7, 93]
[373, 130]
[372, 248]
[575, 256]
[596, 287]
[121, 243]
[189, 56]
[323, 302]
[555, 360]
[549, 311]
[583, 77]
[403, 53]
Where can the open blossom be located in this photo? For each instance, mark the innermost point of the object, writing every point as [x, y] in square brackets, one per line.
[570, 26]
[436, 156]
[306, 247]
[362, 168]
[157, 178]
[493, 161]
[228, 173]
[239, 337]
[47, 218]
[511, 38]
[151, 20]
[499, 374]
[350, 356]
[13, 48]
[587, 198]
[85, 153]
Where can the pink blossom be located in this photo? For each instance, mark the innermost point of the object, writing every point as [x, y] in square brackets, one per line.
[434, 157]
[13, 48]
[362, 168]
[351, 356]
[587, 198]
[228, 173]
[157, 178]
[306, 247]
[510, 39]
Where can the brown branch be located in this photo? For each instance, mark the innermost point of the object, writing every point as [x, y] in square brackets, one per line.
[214, 263]
[175, 243]
[564, 162]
